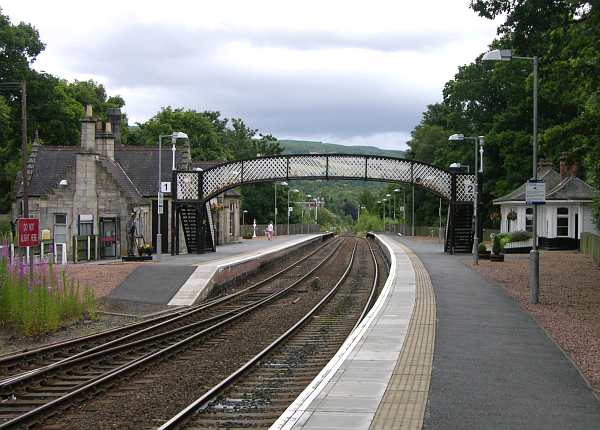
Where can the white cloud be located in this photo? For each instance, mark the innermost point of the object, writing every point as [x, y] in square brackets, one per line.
[342, 71]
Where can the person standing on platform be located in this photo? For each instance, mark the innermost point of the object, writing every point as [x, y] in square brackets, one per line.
[270, 230]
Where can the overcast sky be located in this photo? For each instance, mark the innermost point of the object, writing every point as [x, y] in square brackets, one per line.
[350, 72]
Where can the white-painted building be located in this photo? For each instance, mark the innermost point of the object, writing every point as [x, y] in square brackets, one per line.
[566, 214]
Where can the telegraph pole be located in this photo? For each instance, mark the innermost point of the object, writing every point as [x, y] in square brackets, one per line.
[24, 156]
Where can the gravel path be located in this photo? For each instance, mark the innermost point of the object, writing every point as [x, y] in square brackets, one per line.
[569, 302]
[102, 278]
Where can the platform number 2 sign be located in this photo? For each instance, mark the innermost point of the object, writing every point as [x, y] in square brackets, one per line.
[469, 188]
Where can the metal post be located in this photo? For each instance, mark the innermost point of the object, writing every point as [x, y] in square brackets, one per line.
[534, 256]
[413, 209]
[275, 216]
[24, 148]
[404, 210]
[158, 231]
[383, 215]
[288, 212]
[475, 202]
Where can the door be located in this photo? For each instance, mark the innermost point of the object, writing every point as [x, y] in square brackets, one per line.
[164, 226]
[109, 237]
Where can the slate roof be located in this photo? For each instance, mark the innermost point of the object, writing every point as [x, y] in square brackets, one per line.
[570, 188]
[141, 165]
[134, 169]
[51, 166]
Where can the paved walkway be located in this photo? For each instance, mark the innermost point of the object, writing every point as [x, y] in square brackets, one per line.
[178, 280]
[494, 367]
[470, 358]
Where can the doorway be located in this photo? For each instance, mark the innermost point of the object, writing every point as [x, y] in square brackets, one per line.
[109, 237]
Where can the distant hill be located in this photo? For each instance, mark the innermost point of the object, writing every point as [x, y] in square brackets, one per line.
[309, 146]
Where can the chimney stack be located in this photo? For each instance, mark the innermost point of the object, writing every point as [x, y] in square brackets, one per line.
[567, 166]
[114, 117]
[88, 131]
[105, 140]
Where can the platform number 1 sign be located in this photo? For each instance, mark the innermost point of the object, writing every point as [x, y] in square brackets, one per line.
[165, 187]
[469, 188]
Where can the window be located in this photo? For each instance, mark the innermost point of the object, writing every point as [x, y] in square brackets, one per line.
[86, 225]
[562, 222]
[60, 228]
[529, 219]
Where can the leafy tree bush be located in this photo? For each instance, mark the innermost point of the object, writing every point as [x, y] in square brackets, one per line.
[368, 222]
[497, 245]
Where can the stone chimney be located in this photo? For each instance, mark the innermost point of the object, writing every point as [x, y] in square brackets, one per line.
[105, 140]
[114, 117]
[544, 165]
[568, 167]
[88, 131]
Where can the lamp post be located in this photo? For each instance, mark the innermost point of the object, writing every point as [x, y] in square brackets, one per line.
[389, 206]
[295, 190]
[308, 197]
[384, 200]
[244, 212]
[478, 144]
[285, 184]
[159, 204]
[534, 256]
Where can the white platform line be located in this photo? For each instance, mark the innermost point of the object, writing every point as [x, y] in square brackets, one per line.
[292, 415]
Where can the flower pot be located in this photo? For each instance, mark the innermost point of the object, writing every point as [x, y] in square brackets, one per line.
[484, 255]
[496, 257]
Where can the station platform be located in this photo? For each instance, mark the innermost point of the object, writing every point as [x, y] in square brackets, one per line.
[443, 348]
[180, 280]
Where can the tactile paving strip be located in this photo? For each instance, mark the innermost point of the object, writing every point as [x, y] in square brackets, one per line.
[403, 404]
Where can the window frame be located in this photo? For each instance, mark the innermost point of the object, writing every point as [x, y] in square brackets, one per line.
[61, 226]
[529, 219]
[562, 217]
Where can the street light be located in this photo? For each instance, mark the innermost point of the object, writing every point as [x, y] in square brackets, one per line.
[159, 204]
[384, 200]
[534, 256]
[478, 141]
[244, 212]
[389, 207]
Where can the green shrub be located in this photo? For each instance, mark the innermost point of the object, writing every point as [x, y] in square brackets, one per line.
[368, 222]
[42, 303]
[519, 236]
[497, 245]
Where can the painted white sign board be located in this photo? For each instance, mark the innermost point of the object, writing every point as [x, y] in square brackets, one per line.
[535, 192]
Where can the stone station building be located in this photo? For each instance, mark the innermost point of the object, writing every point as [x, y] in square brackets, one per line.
[91, 190]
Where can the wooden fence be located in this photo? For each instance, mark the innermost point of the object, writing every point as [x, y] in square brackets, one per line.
[590, 245]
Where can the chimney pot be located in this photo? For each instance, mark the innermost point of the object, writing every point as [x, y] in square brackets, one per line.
[108, 127]
[88, 111]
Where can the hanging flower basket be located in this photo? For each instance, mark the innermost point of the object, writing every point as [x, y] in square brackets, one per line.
[512, 216]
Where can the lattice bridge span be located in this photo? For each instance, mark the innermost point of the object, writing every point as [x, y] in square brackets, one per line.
[192, 190]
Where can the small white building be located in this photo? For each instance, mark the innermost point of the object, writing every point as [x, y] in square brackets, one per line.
[566, 214]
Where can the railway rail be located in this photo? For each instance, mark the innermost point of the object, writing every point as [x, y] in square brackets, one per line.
[15, 364]
[35, 394]
[256, 393]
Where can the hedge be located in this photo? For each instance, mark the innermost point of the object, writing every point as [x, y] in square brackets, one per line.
[590, 245]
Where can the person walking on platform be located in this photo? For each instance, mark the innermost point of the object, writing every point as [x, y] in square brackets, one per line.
[269, 230]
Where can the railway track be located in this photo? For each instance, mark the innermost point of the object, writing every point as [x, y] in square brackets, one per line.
[23, 362]
[35, 394]
[256, 394]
